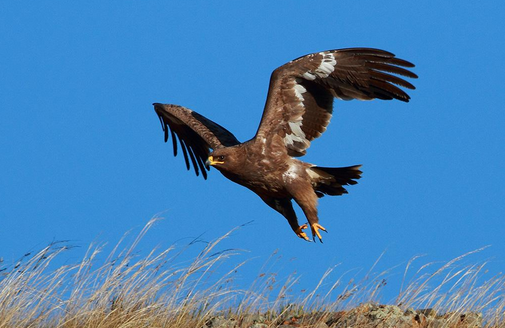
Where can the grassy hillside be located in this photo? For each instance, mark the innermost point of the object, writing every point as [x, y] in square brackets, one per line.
[126, 290]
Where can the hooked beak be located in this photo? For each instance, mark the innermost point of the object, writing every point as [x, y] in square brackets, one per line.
[211, 161]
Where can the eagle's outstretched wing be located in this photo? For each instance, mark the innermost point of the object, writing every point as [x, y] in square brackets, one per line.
[196, 134]
[300, 97]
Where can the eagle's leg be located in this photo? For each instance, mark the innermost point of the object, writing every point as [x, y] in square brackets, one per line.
[308, 203]
[284, 206]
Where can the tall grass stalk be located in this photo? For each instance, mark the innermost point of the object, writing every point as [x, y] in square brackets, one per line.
[155, 290]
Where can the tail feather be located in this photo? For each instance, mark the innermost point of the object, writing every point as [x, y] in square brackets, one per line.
[330, 180]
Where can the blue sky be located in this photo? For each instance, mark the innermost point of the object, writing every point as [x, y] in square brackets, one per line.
[83, 157]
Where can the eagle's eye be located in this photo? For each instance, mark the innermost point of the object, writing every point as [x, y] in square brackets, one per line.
[221, 157]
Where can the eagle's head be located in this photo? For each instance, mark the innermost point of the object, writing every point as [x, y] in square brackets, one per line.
[229, 159]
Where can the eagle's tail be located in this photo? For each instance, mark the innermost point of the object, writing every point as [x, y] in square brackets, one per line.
[330, 180]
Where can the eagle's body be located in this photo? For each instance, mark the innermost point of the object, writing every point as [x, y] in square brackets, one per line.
[265, 172]
[298, 109]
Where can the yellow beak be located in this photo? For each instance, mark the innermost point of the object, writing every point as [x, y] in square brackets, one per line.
[211, 161]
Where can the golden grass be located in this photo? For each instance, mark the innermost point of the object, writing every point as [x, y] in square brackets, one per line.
[127, 290]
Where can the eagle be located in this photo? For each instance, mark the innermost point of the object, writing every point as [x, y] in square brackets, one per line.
[298, 109]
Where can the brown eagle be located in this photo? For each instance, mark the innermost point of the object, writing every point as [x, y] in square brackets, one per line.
[298, 109]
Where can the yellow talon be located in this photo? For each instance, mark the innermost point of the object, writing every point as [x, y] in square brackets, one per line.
[315, 231]
[299, 232]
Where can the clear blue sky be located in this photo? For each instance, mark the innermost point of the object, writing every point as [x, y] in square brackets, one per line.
[83, 157]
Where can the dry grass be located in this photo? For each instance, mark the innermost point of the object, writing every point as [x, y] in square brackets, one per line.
[126, 290]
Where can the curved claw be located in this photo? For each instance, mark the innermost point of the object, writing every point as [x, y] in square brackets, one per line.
[315, 231]
[299, 232]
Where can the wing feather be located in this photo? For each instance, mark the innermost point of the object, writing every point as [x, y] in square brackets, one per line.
[385, 77]
[196, 134]
[300, 97]
[185, 153]
[174, 139]
[391, 69]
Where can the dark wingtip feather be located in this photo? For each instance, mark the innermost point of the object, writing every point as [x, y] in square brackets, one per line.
[174, 142]
[368, 51]
[193, 160]
[387, 91]
[185, 153]
[391, 79]
[201, 164]
[161, 122]
[385, 67]
[165, 131]
[401, 62]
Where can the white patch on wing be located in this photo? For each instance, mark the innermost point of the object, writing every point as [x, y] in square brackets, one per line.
[299, 91]
[327, 65]
[297, 136]
[295, 139]
[309, 76]
[296, 128]
[325, 68]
